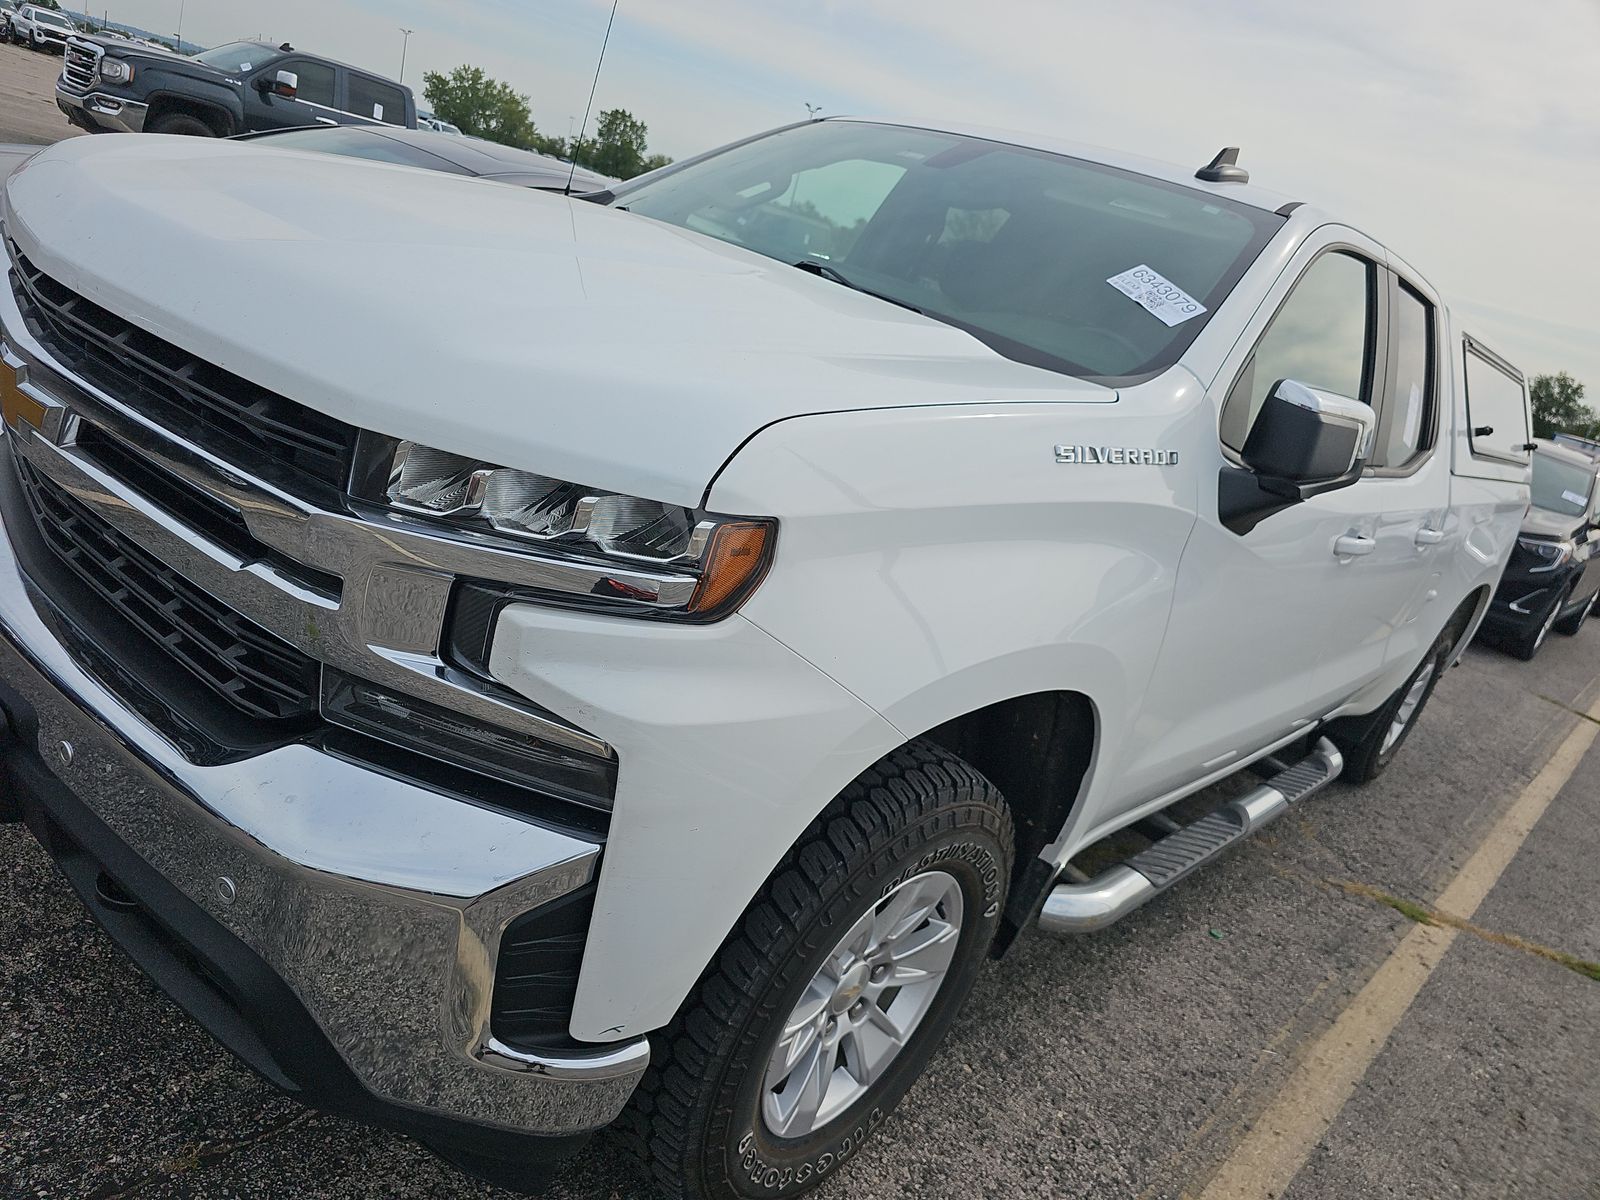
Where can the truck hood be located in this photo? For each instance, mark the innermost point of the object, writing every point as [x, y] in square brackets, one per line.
[522, 328]
[1547, 523]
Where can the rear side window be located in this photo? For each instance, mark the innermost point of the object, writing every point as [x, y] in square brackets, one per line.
[1405, 428]
[1497, 406]
[379, 101]
[1320, 337]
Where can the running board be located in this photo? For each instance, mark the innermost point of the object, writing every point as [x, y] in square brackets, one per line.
[1113, 894]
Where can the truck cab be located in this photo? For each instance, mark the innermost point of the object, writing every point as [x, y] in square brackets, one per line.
[113, 85]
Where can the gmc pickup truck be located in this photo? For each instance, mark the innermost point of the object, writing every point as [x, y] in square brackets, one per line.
[649, 697]
[111, 85]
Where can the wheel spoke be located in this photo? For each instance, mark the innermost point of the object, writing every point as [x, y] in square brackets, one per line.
[803, 1093]
[923, 955]
[907, 908]
[872, 1046]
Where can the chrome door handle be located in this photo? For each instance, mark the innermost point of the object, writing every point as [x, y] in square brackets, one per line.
[1429, 537]
[1353, 545]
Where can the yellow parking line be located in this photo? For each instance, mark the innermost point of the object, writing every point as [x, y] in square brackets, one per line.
[1283, 1137]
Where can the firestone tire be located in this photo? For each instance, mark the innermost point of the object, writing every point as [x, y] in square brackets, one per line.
[1370, 757]
[920, 823]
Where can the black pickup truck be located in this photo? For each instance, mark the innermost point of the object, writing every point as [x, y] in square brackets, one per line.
[112, 85]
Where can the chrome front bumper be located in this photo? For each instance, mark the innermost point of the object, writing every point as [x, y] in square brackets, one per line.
[107, 111]
[380, 904]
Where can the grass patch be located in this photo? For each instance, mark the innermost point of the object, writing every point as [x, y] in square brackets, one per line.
[1422, 914]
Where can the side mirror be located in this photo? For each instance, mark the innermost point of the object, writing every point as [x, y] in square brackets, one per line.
[286, 84]
[1305, 442]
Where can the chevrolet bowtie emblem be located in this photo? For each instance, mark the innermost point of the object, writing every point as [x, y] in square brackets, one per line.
[19, 407]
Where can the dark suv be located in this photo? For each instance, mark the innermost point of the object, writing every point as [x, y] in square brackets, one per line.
[1553, 578]
[108, 84]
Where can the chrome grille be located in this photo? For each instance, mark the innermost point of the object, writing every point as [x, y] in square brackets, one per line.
[248, 668]
[310, 453]
[80, 67]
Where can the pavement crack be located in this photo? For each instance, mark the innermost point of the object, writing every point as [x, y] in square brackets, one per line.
[1565, 707]
[1424, 914]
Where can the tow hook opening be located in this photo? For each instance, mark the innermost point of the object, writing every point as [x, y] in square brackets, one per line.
[110, 893]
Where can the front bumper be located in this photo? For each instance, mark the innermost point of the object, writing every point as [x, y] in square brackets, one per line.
[346, 920]
[102, 110]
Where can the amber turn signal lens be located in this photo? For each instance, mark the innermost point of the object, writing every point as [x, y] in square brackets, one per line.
[734, 564]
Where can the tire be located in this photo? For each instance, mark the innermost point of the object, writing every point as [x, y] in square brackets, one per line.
[918, 825]
[181, 124]
[1569, 625]
[1526, 645]
[1367, 758]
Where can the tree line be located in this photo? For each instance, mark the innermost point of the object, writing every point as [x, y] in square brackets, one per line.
[489, 108]
[1558, 407]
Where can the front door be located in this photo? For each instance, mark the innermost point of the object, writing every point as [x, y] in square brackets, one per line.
[315, 103]
[1274, 627]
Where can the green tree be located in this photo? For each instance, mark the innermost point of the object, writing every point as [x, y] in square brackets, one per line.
[618, 146]
[1558, 407]
[481, 106]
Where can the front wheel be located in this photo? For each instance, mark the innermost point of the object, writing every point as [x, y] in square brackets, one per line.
[837, 986]
[182, 125]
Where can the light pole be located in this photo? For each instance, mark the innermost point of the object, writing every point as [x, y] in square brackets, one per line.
[404, 46]
[181, 4]
[812, 110]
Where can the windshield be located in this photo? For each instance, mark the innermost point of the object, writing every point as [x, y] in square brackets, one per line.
[1038, 255]
[236, 58]
[50, 18]
[1561, 487]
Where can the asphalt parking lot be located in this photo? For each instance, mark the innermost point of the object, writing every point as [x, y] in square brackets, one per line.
[1288, 1023]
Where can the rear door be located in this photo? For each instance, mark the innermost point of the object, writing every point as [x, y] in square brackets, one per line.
[1275, 627]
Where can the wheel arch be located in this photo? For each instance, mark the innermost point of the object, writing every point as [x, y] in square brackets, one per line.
[218, 117]
[1038, 749]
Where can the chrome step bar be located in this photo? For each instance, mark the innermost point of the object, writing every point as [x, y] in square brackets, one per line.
[1113, 894]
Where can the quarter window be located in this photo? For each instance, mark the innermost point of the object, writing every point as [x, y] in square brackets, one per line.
[1497, 408]
[1406, 427]
[1321, 337]
[378, 101]
[316, 81]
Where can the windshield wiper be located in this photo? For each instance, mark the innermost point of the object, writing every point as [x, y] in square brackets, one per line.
[828, 271]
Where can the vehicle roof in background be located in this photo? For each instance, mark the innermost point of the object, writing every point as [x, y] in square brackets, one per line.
[1567, 454]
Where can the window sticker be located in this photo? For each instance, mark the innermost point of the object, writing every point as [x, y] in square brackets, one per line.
[1158, 296]
[377, 112]
[1574, 498]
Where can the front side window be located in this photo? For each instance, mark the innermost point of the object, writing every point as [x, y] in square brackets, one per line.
[316, 81]
[378, 101]
[1561, 487]
[1405, 429]
[1016, 246]
[1320, 337]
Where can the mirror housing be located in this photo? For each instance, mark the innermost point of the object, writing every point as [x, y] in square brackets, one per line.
[1303, 443]
[285, 84]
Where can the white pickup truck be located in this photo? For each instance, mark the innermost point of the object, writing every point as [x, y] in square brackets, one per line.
[652, 694]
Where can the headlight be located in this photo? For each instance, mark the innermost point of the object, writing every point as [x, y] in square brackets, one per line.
[115, 70]
[724, 557]
[1550, 554]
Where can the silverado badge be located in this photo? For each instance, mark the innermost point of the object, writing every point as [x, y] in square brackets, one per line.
[1116, 456]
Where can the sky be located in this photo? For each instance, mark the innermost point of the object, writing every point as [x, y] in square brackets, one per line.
[1463, 134]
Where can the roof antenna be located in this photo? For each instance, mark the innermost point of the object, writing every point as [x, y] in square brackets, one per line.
[1224, 168]
[572, 150]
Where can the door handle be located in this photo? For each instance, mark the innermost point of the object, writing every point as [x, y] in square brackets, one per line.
[1429, 537]
[1353, 545]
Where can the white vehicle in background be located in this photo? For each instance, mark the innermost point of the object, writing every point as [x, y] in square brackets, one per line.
[653, 694]
[41, 28]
